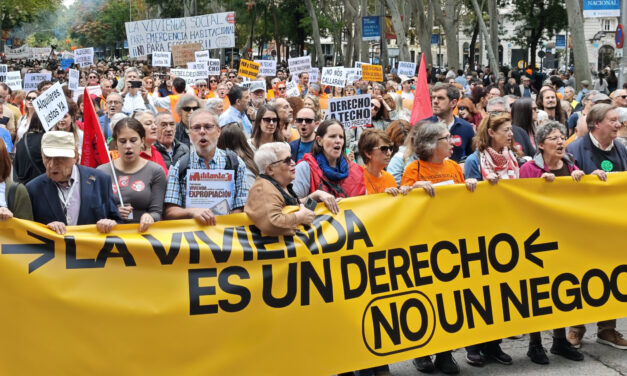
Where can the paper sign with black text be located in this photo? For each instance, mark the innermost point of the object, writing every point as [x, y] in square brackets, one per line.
[67, 55]
[161, 59]
[358, 64]
[213, 67]
[202, 55]
[248, 69]
[352, 75]
[406, 68]
[51, 106]
[291, 89]
[333, 76]
[4, 69]
[314, 74]
[267, 68]
[22, 52]
[372, 73]
[84, 56]
[351, 111]
[299, 64]
[31, 80]
[210, 30]
[200, 67]
[14, 80]
[210, 189]
[73, 79]
[188, 75]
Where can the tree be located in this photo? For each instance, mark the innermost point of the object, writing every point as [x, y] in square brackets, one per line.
[493, 63]
[424, 27]
[14, 13]
[447, 15]
[399, 29]
[575, 22]
[315, 32]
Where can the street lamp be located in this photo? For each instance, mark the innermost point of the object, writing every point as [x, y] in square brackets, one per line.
[528, 33]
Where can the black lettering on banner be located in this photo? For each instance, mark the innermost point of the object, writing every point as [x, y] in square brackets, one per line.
[107, 251]
[194, 250]
[507, 238]
[322, 240]
[459, 313]
[521, 305]
[536, 296]
[345, 262]
[585, 287]
[219, 254]
[374, 272]
[196, 291]
[379, 320]
[621, 297]
[229, 288]
[165, 258]
[309, 275]
[289, 244]
[242, 238]
[575, 293]
[407, 332]
[260, 243]
[437, 272]
[308, 238]
[353, 221]
[401, 269]
[414, 250]
[71, 262]
[467, 257]
[290, 290]
[484, 311]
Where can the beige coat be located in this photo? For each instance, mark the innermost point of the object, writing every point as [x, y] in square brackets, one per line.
[266, 208]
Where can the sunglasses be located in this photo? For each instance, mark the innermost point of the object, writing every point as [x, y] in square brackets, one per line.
[31, 98]
[214, 81]
[93, 77]
[270, 120]
[188, 109]
[231, 76]
[288, 161]
[201, 85]
[384, 149]
[281, 88]
[304, 120]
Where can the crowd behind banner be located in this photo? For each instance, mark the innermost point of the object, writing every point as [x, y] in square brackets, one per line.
[139, 144]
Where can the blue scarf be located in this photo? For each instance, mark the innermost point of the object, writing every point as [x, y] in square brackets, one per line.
[337, 173]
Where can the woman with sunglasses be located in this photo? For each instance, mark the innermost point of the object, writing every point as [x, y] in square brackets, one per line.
[280, 90]
[266, 127]
[272, 191]
[24, 121]
[187, 104]
[375, 147]
[93, 79]
[149, 151]
[142, 183]
[467, 111]
[213, 87]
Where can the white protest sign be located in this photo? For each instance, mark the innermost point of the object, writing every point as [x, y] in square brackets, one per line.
[200, 67]
[67, 55]
[18, 53]
[14, 80]
[73, 78]
[291, 89]
[299, 64]
[213, 67]
[210, 189]
[351, 111]
[253, 86]
[352, 75]
[314, 74]
[267, 68]
[406, 68]
[40, 52]
[31, 80]
[211, 30]
[4, 69]
[51, 106]
[333, 76]
[188, 75]
[84, 56]
[358, 64]
[161, 59]
[201, 55]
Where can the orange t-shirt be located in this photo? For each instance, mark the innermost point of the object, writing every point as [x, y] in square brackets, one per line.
[378, 184]
[433, 172]
[294, 135]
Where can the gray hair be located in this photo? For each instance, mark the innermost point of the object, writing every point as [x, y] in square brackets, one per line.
[133, 69]
[162, 114]
[494, 102]
[622, 114]
[589, 95]
[212, 103]
[199, 111]
[543, 130]
[185, 100]
[569, 88]
[598, 113]
[426, 139]
[267, 154]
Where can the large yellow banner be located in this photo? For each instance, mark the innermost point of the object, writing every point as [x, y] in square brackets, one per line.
[387, 279]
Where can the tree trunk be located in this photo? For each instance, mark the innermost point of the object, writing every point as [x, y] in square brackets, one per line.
[575, 24]
[471, 47]
[350, 13]
[493, 13]
[365, 45]
[316, 32]
[277, 39]
[424, 27]
[448, 19]
[494, 67]
[399, 30]
[380, 9]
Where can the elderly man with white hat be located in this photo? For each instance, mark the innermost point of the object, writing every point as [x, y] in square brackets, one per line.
[69, 194]
[406, 91]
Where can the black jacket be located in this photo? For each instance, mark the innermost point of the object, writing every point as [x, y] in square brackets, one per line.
[179, 149]
[26, 169]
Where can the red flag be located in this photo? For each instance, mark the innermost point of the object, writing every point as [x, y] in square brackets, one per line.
[94, 149]
[422, 98]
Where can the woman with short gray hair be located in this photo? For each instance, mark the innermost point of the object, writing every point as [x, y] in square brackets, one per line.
[187, 104]
[215, 105]
[433, 144]
[272, 191]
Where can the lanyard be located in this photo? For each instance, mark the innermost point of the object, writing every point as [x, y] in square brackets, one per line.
[65, 200]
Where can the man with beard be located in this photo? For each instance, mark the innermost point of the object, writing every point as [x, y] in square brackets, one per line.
[547, 101]
[171, 150]
[307, 121]
[257, 98]
[285, 112]
[205, 155]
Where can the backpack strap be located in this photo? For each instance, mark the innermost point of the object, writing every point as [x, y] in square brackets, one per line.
[232, 163]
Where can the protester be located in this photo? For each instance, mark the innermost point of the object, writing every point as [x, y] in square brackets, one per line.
[69, 194]
[266, 128]
[548, 102]
[149, 150]
[405, 154]
[272, 191]
[185, 105]
[233, 138]
[170, 101]
[466, 110]
[397, 132]
[239, 98]
[28, 162]
[167, 145]
[24, 122]
[375, 147]
[114, 106]
[306, 122]
[215, 105]
[134, 93]
[14, 202]
[524, 114]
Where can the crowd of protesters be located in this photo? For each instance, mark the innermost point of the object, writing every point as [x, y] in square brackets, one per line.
[284, 150]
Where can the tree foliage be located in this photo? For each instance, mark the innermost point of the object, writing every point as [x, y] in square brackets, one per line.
[14, 13]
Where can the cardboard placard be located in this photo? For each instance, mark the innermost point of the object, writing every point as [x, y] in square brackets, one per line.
[248, 69]
[213, 67]
[333, 76]
[351, 111]
[406, 68]
[210, 189]
[84, 56]
[200, 67]
[161, 59]
[31, 80]
[299, 64]
[267, 68]
[184, 53]
[188, 75]
[51, 106]
[372, 72]
[210, 30]
[14, 80]
[73, 79]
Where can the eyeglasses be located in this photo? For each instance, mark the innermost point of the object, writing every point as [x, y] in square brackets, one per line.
[556, 138]
[304, 120]
[270, 120]
[30, 98]
[201, 85]
[281, 88]
[206, 127]
[384, 149]
[93, 77]
[188, 109]
[214, 81]
[231, 76]
[288, 161]
[447, 138]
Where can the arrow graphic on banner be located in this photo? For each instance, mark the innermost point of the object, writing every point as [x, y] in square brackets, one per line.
[531, 248]
[46, 250]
